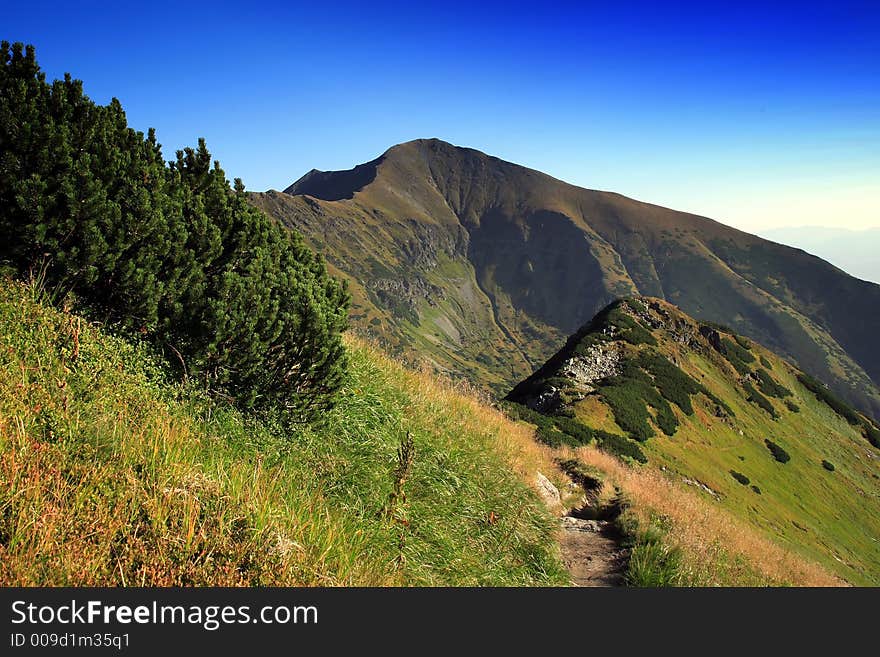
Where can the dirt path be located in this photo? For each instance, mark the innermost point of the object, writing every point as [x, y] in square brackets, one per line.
[589, 540]
[591, 552]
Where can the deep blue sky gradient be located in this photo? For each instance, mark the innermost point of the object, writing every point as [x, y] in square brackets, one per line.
[757, 114]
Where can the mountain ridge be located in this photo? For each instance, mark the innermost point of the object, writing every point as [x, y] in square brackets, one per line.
[480, 266]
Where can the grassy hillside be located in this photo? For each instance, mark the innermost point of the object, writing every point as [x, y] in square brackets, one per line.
[744, 429]
[679, 537]
[484, 267]
[111, 476]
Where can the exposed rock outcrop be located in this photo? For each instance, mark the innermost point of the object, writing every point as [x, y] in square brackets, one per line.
[601, 361]
[393, 292]
[429, 242]
[714, 338]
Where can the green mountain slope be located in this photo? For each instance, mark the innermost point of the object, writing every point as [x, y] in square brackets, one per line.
[482, 267]
[110, 476]
[749, 431]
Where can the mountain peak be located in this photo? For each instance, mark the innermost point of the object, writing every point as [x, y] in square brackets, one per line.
[433, 155]
[427, 142]
[424, 141]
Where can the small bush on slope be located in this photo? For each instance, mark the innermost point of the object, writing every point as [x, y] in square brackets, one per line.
[630, 329]
[620, 446]
[825, 395]
[757, 398]
[778, 453]
[674, 384]
[771, 387]
[629, 394]
[112, 477]
[743, 342]
[559, 430]
[872, 434]
[738, 356]
[740, 477]
[627, 399]
[651, 379]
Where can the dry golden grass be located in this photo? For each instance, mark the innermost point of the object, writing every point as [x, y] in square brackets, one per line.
[153, 510]
[108, 477]
[472, 409]
[718, 549]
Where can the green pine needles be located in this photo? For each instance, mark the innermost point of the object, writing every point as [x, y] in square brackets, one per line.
[169, 251]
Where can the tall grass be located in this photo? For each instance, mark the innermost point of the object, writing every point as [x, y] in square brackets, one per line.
[111, 475]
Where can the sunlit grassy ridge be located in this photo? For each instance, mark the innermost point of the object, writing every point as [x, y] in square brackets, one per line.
[830, 517]
[111, 476]
[762, 455]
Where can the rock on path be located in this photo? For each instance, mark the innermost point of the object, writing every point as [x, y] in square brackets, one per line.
[591, 553]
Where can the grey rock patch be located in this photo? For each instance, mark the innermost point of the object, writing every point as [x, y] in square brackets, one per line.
[600, 362]
[548, 492]
[570, 523]
[701, 486]
[407, 291]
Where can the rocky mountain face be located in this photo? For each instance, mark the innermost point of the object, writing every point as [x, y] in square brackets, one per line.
[481, 268]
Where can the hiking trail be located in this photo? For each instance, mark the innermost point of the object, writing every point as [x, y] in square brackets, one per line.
[589, 539]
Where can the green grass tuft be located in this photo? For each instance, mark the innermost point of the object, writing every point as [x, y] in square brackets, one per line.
[652, 562]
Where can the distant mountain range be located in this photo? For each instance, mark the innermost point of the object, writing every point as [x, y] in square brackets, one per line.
[857, 252]
[482, 268]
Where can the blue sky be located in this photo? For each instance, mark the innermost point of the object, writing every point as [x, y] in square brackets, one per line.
[755, 115]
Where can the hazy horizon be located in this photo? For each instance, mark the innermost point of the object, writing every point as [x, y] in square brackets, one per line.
[853, 251]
